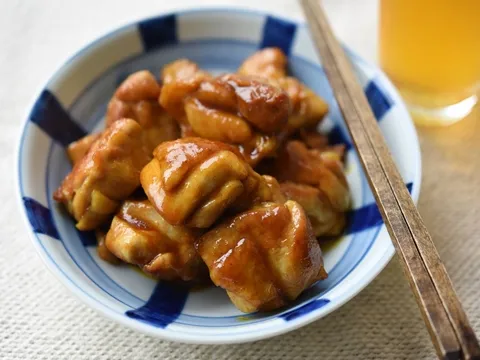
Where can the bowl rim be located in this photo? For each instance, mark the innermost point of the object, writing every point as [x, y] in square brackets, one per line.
[175, 336]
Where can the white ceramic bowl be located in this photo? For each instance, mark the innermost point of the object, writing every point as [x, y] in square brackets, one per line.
[73, 103]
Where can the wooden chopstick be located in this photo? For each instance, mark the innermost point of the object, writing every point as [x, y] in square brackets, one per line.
[446, 320]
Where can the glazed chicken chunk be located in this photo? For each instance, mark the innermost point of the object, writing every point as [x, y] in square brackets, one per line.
[318, 141]
[315, 179]
[264, 257]
[180, 78]
[192, 181]
[182, 69]
[321, 169]
[102, 249]
[105, 176]
[325, 220]
[137, 98]
[237, 110]
[140, 236]
[270, 63]
[77, 149]
[308, 109]
[240, 111]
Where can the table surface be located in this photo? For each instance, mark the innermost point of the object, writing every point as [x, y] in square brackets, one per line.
[39, 319]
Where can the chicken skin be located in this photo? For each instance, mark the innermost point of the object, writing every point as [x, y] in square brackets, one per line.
[105, 176]
[264, 257]
[137, 98]
[140, 236]
[192, 181]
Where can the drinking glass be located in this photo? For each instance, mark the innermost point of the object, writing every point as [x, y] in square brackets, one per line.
[431, 51]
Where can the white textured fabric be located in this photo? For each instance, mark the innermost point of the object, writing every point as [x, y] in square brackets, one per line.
[39, 319]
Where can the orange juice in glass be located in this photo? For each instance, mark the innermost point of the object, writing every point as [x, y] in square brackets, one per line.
[431, 51]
